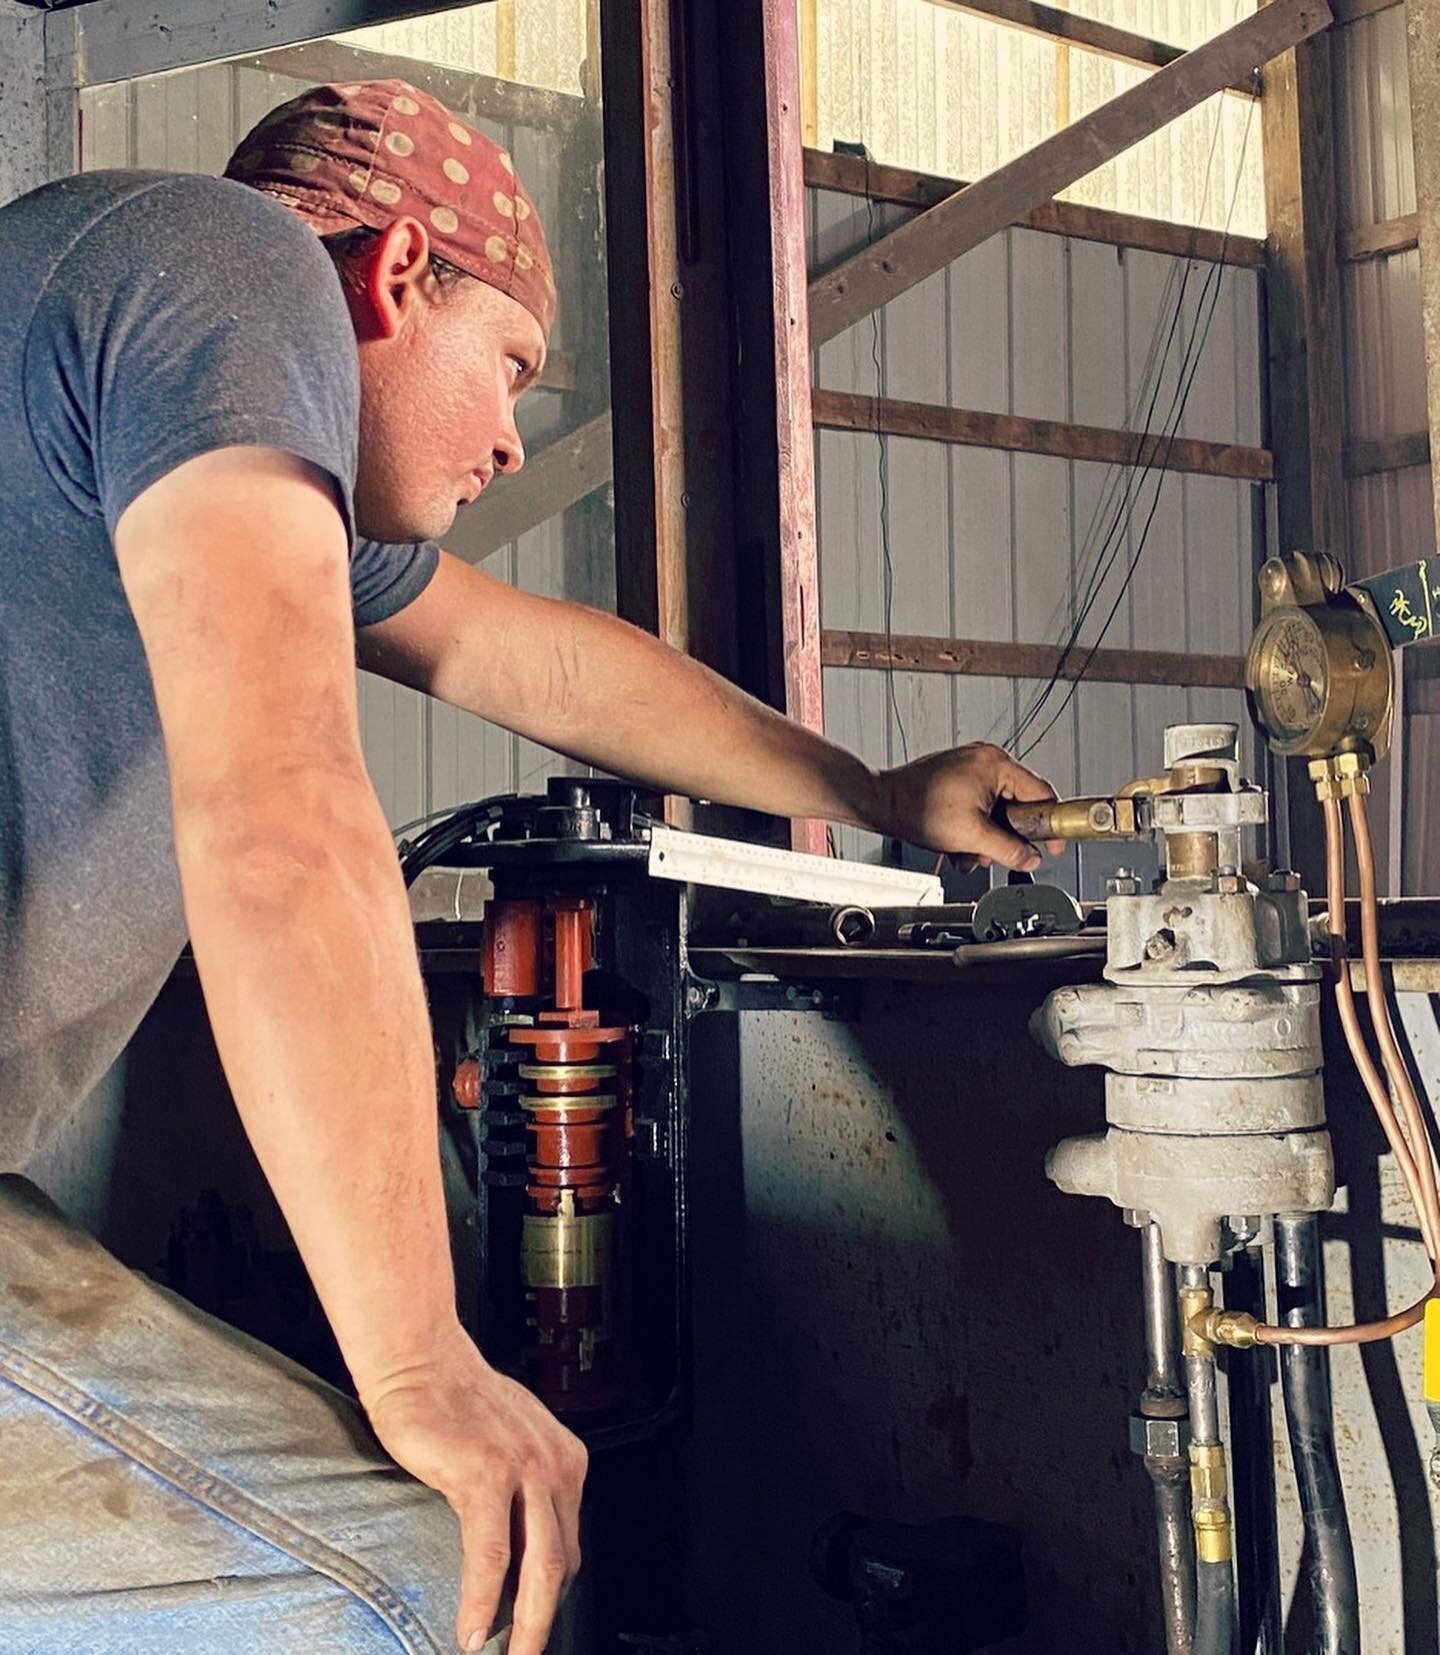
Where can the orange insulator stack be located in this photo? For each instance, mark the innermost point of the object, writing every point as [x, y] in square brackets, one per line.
[575, 1096]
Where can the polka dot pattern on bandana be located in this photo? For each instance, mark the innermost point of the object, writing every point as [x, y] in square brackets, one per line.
[369, 152]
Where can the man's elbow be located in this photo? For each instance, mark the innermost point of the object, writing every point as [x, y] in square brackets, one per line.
[280, 852]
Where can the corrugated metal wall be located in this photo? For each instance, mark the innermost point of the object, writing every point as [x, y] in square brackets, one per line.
[989, 545]
[944, 92]
[423, 756]
[1391, 515]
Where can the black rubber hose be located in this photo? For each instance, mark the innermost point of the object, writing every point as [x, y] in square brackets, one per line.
[1305, 1384]
[1252, 1456]
[1214, 1608]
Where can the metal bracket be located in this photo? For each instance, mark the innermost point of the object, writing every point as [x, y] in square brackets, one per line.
[838, 999]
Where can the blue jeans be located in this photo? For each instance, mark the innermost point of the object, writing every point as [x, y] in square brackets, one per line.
[168, 1485]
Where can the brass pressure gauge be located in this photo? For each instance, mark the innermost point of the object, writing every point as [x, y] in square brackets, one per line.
[1319, 671]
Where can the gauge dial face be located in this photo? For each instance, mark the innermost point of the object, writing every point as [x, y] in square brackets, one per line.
[1292, 676]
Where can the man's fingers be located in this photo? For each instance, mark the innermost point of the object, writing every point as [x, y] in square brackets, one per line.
[1022, 785]
[544, 1574]
[988, 839]
[567, 1515]
[485, 1537]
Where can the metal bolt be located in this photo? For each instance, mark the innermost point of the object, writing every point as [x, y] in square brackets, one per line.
[1160, 946]
[1283, 879]
[1135, 1218]
[1123, 883]
[1244, 1227]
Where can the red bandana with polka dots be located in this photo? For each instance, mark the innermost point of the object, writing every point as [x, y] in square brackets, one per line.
[370, 152]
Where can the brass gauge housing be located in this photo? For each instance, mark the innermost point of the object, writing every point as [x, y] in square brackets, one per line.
[1319, 672]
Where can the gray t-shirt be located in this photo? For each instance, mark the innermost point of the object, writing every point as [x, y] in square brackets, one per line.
[145, 318]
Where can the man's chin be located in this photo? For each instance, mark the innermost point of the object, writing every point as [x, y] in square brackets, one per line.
[400, 530]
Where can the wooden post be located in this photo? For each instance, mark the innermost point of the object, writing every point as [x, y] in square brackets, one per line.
[1306, 381]
[22, 100]
[670, 323]
[1422, 27]
[39, 118]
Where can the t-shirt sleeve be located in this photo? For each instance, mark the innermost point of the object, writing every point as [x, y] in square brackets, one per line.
[193, 315]
[384, 579]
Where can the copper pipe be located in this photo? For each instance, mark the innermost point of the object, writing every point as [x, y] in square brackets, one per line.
[1360, 1333]
[1350, 1020]
[1378, 1005]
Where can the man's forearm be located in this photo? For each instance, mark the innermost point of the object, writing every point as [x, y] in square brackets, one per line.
[608, 694]
[305, 950]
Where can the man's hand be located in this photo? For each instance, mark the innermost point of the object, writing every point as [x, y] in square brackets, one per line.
[946, 802]
[510, 1470]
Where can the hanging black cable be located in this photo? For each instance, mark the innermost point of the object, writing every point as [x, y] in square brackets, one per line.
[1189, 369]
[1148, 445]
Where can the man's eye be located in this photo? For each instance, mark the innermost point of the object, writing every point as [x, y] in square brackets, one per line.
[522, 367]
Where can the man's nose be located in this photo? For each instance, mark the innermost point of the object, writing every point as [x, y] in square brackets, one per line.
[509, 449]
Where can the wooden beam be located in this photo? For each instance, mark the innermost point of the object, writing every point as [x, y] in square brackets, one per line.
[1305, 365]
[853, 175]
[1422, 30]
[984, 658]
[22, 101]
[907, 255]
[1071, 29]
[799, 566]
[1355, 11]
[551, 481]
[118, 40]
[478, 96]
[1379, 241]
[846, 411]
[1372, 457]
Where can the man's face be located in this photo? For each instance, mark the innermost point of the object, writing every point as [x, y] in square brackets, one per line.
[439, 381]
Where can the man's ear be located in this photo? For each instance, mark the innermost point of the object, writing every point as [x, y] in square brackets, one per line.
[392, 279]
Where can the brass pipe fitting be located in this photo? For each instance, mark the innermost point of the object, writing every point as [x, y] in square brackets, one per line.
[1196, 1304]
[1340, 776]
[1235, 1328]
[1210, 1504]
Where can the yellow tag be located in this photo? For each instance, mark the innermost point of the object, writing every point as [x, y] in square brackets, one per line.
[1432, 1351]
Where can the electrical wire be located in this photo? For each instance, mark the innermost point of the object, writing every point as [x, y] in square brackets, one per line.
[887, 557]
[1156, 450]
[1190, 367]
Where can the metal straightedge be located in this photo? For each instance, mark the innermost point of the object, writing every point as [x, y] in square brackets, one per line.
[734, 865]
[1208, 1024]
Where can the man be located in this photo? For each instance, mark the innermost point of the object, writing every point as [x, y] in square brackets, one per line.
[201, 406]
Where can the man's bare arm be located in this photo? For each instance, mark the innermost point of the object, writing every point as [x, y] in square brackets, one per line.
[599, 690]
[235, 566]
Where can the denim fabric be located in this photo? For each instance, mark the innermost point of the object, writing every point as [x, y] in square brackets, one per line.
[167, 1484]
